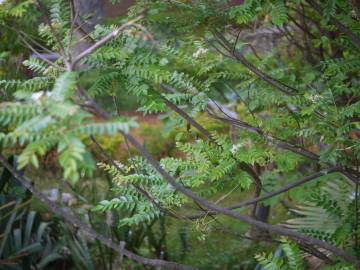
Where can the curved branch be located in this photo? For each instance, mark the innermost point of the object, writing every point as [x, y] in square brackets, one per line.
[277, 192]
[70, 218]
[253, 222]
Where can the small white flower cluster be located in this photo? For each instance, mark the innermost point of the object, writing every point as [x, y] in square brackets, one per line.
[119, 164]
[235, 148]
[37, 95]
[199, 52]
[163, 61]
[314, 98]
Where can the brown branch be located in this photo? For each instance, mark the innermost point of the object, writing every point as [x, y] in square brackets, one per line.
[104, 40]
[269, 138]
[285, 89]
[250, 221]
[353, 38]
[27, 44]
[278, 85]
[70, 218]
[347, 172]
[182, 113]
[279, 191]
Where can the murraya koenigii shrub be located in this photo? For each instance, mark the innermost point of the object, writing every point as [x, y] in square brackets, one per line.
[294, 108]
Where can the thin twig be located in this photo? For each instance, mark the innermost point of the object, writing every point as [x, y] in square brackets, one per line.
[105, 39]
[280, 191]
[39, 54]
[285, 89]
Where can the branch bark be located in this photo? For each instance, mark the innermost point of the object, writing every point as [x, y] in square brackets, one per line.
[182, 113]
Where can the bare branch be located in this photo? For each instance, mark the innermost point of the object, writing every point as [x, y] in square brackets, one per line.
[27, 44]
[285, 89]
[279, 191]
[182, 113]
[269, 138]
[105, 39]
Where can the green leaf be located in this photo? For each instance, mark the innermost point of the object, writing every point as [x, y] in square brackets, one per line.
[64, 86]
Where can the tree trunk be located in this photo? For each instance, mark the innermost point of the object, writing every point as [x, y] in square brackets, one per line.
[86, 14]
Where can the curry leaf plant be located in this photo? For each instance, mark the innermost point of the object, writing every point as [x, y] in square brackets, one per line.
[259, 97]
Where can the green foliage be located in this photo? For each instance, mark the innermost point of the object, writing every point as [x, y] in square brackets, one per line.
[78, 249]
[53, 120]
[329, 214]
[142, 192]
[289, 44]
[27, 245]
[25, 242]
[291, 259]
